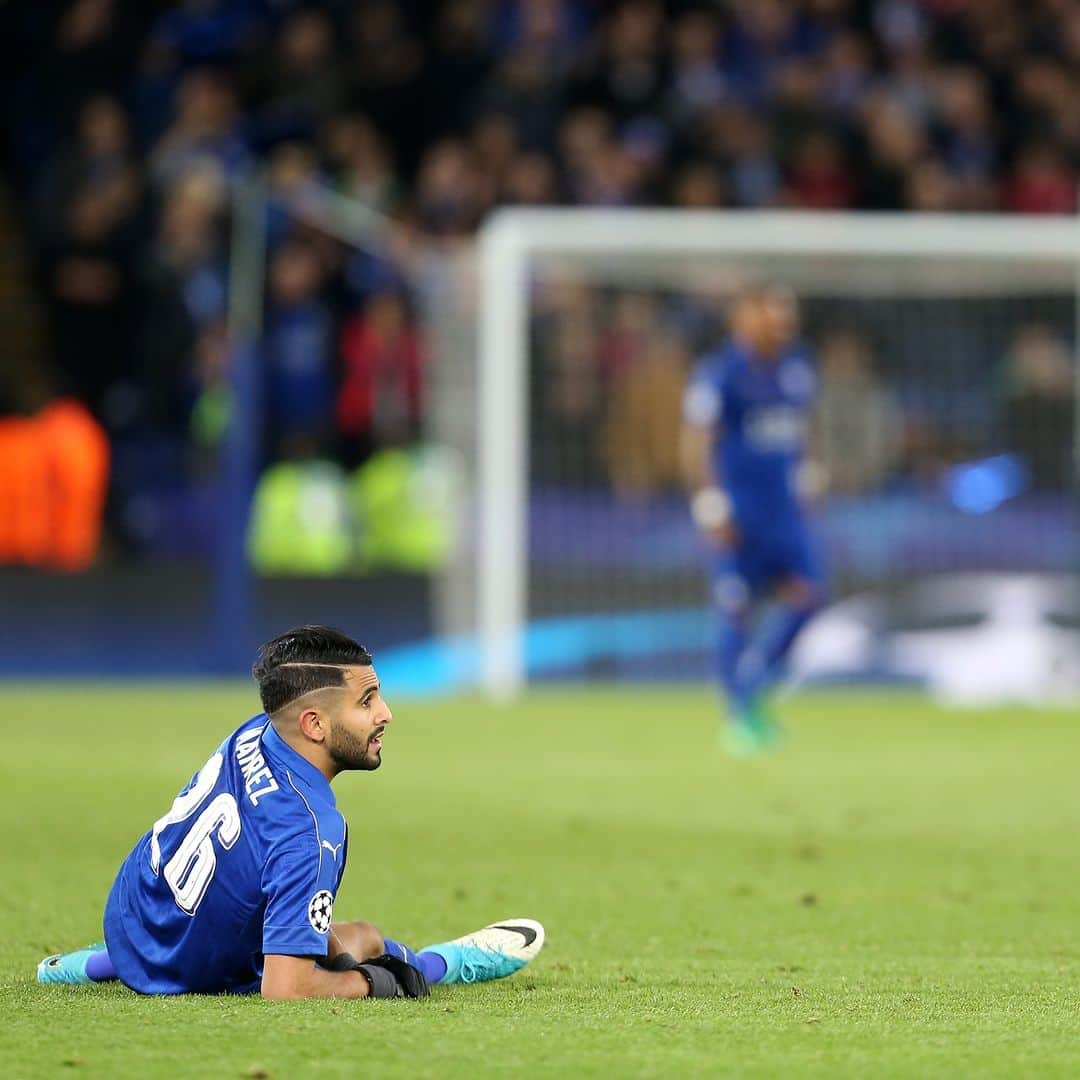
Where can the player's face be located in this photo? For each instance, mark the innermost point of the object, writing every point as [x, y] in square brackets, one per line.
[782, 313]
[358, 720]
[754, 327]
[746, 320]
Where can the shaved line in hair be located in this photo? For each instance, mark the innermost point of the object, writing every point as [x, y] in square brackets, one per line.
[313, 663]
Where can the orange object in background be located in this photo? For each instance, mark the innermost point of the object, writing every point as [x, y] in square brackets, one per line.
[54, 473]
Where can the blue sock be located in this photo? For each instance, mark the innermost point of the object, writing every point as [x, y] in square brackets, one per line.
[730, 648]
[100, 968]
[430, 964]
[772, 643]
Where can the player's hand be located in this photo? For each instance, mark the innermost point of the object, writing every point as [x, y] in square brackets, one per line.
[713, 514]
[411, 980]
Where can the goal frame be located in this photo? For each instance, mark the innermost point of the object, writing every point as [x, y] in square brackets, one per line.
[511, 239]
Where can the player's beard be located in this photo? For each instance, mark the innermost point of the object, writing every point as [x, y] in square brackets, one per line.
[349, 752]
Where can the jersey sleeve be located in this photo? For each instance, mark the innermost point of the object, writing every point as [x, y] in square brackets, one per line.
[299, 883]
[703, 399]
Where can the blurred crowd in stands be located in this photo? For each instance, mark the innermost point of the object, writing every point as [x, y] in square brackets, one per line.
[127, 122]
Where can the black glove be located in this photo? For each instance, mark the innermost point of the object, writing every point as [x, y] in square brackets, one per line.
[388, 976]
[410, 979]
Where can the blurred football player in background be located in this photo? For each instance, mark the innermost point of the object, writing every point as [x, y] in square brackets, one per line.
[746, 420]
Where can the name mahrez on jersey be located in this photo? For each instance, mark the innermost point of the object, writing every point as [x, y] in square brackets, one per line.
[258, 779]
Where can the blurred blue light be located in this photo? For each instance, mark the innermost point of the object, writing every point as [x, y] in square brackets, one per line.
[977, 487]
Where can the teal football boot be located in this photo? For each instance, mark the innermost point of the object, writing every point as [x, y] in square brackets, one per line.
[493, 952]
[764, 724]
[68, 967]
[750, 729]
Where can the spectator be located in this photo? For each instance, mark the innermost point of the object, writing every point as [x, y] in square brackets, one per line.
[553, 26]
[359, 163]
[624, 76]
[1040, 406]
[858, 427]
[303, 82]
[763, 37]
[930, 188]
[847, 75]
[903, 34]
[644, 144]
[697, 83]
[568, 407]
[755, 170]
[88, 54]
[645, 406]
[90, 288]
[204, 129]
[293, 169]
[700, 185]
[527, 87]
[493, 143]
[299, 349]
[796, 107]
[182, 289]
[385, 65]
[458, 66]
[88, 217]
[1041, 183]
[379, 403]
[212, 394]
[531, 180]
[584, 139]
[633, 323]
[449, 195]
[896, 145]
[969, 147]
[293, 177]
[54, 470]
[1042, 91]
[101, 160]
[207, 31]
[821, 177]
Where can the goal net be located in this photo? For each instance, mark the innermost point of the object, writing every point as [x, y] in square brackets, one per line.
[945, 350]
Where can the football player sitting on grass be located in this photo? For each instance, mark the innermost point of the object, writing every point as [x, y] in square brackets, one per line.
[232, 890]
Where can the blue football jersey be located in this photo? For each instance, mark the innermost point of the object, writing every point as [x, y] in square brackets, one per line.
[246, 862]
[761, 413]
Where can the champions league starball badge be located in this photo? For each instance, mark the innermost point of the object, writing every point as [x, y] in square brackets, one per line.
[320, 911]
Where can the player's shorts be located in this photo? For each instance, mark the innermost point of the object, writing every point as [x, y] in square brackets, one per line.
[763, 560]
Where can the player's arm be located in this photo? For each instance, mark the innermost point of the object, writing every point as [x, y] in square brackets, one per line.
[286, 978]
[290, 978]
[701, 426]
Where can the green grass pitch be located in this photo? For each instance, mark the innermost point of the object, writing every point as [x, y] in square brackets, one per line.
[894, 893]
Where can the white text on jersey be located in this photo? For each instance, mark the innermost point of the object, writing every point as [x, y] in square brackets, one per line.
[254, 767]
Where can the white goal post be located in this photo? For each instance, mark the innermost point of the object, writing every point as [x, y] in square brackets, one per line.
[512, 240]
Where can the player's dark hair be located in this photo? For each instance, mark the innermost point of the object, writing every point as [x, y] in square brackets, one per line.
[301, 660]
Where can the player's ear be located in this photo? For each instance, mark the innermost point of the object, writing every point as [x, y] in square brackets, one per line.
[313, 724]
